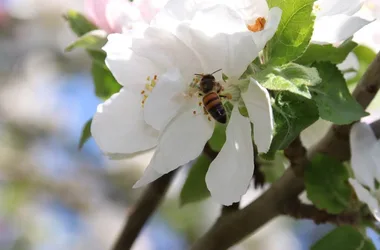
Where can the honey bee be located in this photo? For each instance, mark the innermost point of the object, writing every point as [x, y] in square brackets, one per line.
[210, 90]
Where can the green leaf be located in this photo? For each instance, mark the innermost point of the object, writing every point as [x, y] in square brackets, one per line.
[326, 181]
[365, 57]
[195, 188]
[93, 40]
[218, 138]
[344, 238]
[318, 53]
[334, 101]
[105, 83]
[292, 114]
[86, 134]
[79, 23]
[294, 31]
[290, 77]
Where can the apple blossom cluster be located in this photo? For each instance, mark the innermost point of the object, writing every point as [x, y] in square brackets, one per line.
[158, 107]
[160, 63]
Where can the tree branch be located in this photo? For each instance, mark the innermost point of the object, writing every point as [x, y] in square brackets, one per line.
[232, 228]
[144, 208]
[298, 210]
[296, 153]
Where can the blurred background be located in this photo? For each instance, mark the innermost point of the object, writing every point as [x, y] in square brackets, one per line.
[53, 196]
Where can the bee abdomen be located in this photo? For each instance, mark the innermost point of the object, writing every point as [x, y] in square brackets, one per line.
[214, 106]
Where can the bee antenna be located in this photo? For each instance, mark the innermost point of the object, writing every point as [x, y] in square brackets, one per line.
[215, 71]
[198, 74]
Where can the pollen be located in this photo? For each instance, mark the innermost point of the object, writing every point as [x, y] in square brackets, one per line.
[258, 25]
[316, 7]
[228, 96]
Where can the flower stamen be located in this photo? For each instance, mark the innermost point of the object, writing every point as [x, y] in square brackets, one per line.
[258, 25]
[316, 7]
[148, 88]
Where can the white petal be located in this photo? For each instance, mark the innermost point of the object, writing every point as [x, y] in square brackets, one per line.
[333, 29]
[250, 10]
[118, 125]
[220, 45]
[334, 7]
[229, 21]
[262, 37]
[121, 13]
[182, 141]
[229, 174]
[165, 100]
[258, 104]
[176, 11]
[167, 52]
[375, 155]
[362, 140]
[149, 176]
[365, 196]
[126, 66]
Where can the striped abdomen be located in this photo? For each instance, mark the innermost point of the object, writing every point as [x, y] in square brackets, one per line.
[213, 105]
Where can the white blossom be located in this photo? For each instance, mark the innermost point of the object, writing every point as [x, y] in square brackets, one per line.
[335, 20]
[259, 19]
[159, 104]
[365, 162]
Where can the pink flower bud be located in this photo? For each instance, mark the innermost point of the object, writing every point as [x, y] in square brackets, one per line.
[112, 15]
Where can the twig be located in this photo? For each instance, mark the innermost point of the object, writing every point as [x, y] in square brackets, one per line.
[296, 153]
[209, 152]
[258, 175]
[299, 210]
[230, 209]
[144, 208]
[230, 229]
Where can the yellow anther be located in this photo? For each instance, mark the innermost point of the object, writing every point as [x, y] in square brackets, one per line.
[142, 92]
[153, 83]
[258, 25]
[194, 112]
[200, 103]
[148, 87]
[148, 78]
[209, 118]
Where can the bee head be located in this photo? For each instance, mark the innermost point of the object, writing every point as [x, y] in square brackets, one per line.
[207, 83]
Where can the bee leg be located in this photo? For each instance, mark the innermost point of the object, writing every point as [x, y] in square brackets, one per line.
[205, 111]
[219, 87]
[227, 96]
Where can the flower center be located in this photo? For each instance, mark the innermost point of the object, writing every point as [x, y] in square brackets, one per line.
[208, 102]
[258, 25]
[151, 83]
[316, 7]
